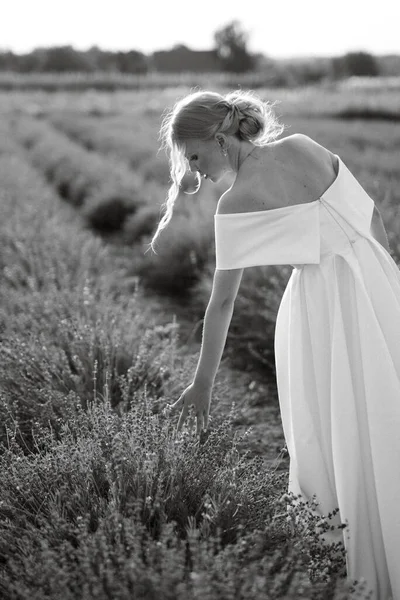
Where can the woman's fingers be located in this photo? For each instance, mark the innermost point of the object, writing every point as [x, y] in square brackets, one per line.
[176, 405]
[200, 422]
[206, 417]
[183, 416]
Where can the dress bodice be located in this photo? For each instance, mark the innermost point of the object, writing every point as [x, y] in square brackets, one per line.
[299, 234]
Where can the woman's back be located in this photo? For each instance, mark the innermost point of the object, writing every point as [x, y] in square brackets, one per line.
[293, 170]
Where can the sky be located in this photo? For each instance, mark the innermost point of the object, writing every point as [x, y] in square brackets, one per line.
[278, 29]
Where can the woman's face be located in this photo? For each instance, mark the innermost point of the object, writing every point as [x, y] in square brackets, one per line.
[206, 157]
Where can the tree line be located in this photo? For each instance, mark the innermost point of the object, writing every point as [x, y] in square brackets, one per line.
[230, 54]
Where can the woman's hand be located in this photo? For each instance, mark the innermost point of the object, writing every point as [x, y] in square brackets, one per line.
[198, 396]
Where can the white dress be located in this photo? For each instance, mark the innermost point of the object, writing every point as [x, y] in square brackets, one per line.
[337, 356]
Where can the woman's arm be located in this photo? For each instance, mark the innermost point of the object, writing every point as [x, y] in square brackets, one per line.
[198, 394]
[217, 319]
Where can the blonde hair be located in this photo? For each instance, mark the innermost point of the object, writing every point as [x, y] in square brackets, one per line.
[200, 115]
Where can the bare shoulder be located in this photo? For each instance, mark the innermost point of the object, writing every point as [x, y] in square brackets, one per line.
[230, 201]
[301, 141]
[239, 198]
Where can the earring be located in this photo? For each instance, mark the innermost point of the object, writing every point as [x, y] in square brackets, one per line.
[225, 152]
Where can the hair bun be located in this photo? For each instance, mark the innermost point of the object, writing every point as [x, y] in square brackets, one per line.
[251, 118]
[236, 110]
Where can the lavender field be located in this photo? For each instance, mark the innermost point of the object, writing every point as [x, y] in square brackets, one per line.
[99, 498]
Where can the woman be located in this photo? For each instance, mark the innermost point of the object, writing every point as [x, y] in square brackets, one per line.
[337, 332]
